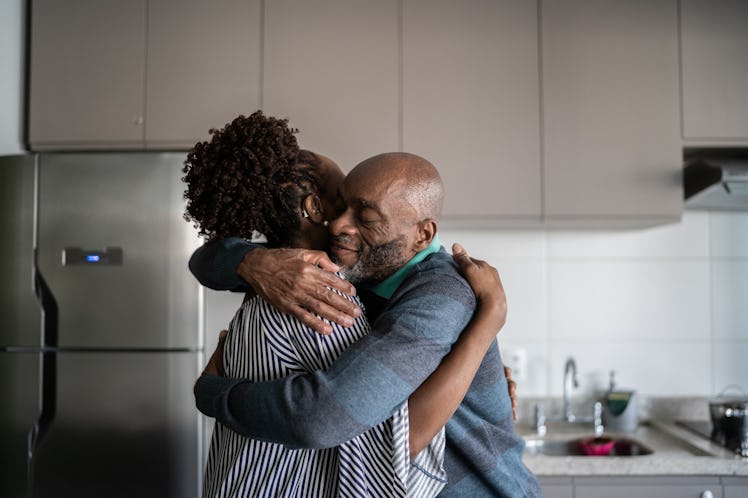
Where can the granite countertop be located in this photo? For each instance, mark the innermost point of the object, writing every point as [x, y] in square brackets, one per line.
[676, 450]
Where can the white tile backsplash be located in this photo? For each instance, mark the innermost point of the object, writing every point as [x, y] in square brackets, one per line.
[651, 368]
[533, 381]
[729, 234]
[666, 307]
[525, 286]
[628, 300]
[730, 299]
[730, 359]
[688, 239]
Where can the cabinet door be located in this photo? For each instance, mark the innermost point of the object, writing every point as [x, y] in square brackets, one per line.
[557, 487]
[647, 487]
[87, 73]
[715, 69]
[736, 491]
[203, 67]
[735, 487]
[471, 104]
[610, 115]
[331, 67]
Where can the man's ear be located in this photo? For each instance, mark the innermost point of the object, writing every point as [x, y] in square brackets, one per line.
[313, 208]
[426, 234]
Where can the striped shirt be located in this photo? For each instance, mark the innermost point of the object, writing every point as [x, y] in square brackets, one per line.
[265, 344]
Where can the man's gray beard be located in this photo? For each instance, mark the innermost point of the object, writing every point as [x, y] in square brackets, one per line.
[353, 274]
[376, 265]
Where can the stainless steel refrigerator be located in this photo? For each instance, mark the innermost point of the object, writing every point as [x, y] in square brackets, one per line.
[100, 328]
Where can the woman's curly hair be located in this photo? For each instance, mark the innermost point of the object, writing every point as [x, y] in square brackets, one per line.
[248, 179]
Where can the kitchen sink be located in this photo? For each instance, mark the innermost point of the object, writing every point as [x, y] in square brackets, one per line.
[622, 447]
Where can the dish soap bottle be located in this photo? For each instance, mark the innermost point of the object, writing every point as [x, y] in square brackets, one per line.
[620, 413]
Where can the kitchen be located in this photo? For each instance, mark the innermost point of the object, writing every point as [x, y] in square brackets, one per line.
[599, 259]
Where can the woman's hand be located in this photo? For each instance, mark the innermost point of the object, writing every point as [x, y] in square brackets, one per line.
[215, 363]
[486, 284]
[512, 391]
[489, 293]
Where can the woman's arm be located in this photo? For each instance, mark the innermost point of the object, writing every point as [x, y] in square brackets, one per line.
[437, 398]
[296, 281]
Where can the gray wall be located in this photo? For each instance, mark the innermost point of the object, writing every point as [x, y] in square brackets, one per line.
[11, 60]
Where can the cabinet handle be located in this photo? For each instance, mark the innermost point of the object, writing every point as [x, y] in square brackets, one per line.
[137, 120]
[707, 494]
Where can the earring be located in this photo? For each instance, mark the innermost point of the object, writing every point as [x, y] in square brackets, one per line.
[304, 214]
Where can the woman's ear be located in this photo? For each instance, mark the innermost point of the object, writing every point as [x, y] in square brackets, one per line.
[312, 207]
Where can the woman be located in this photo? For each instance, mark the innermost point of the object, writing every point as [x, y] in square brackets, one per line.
[251, 178]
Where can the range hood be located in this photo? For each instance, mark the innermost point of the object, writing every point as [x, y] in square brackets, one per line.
[716, 178]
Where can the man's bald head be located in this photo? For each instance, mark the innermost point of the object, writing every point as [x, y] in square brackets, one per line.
[421, 183]
[393, 202]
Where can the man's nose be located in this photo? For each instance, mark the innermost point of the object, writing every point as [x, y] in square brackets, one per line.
[343, 223]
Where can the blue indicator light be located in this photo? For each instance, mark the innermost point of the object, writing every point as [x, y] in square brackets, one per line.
[92, 258]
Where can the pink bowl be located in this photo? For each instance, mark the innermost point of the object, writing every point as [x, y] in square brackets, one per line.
[597, 446]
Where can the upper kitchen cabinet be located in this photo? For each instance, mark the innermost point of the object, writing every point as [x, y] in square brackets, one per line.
[135, 74]
[471, 105]
[714, 52]
[203, 67]
[332, 68]
[87, 73]
[612, 151]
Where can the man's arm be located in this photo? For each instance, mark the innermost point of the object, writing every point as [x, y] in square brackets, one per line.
[363, 387]
[214, 264]
[296, 281]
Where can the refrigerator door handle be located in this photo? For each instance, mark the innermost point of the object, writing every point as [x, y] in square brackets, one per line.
[48, 391]
[50, 311]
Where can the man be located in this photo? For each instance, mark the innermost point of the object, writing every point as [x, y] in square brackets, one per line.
[386, 242]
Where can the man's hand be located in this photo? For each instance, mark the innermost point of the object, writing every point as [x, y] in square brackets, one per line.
[299, 282]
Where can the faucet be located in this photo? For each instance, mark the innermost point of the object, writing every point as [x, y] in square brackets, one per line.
[540, 419]
[570, 381]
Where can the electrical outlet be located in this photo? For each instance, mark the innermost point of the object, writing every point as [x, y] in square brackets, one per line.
[516, 359]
